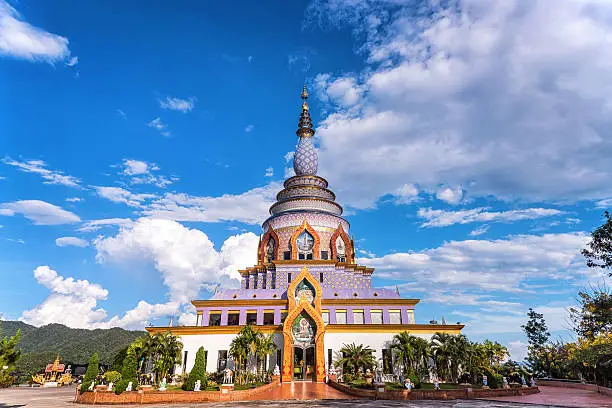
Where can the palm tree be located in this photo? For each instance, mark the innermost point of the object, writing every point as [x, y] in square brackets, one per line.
[166, 350]
[413, 352]
[356, 358]
[265, 347]
[249, 343]
[441, 348]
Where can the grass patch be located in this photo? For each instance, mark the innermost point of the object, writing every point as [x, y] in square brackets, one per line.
[248, 386]
[443, 386]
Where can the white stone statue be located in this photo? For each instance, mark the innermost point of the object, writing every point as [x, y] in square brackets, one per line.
[378, 376]
[129, 387]
[228, 376]
[523, 382]
[332, 370]
[110, 386]
[91, 387]
[197, 386]
[505, 384]
[408, 384]
[276, 370]
[532, 382]
[485, 381]
[162, 385]
[436, 385]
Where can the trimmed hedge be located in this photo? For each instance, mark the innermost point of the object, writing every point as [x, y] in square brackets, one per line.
[198, 372]
[91, 373]
[128, 373]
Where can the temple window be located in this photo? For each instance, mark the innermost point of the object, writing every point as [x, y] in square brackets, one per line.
[387, 361]
[283, 316]
[185, 361]
[324, 255]
[395, 317]
[321, 277]
[221, 360]
[340, 316]
[287, 255]
[305, 244]
[251, 318]
[358, 316]
[340, 250]
[325, 316]
[233, 318]
[214, 319]
[329, 358]
[199, 319]
[268, 317]
[270, 248]
[376, 316]
[247, 282]
[273, 283]
[264, 281]
[255, 281]
[289, 277]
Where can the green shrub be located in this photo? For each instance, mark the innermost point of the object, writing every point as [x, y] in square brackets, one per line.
[128, 372]
[198, 372]
[112, 377]
[91, 373]
[6, 380]
[414, 378]
[494, 380]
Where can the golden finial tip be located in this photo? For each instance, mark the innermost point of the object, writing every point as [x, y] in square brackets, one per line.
[304, 93]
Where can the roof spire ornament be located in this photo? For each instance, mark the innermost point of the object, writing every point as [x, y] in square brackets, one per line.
[305, 160]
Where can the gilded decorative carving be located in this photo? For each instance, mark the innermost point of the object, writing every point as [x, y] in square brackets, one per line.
[347, 244]
[296, 234]
[262, 245]
[313, 310]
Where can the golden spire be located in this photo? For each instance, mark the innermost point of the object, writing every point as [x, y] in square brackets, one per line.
[305, 124]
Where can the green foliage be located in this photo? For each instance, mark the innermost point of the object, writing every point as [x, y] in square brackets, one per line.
[537, 336]
[165, 350]
[198, 372]
[91, 373]
[414, 379]
[413, 352]
[40, 345]
[599, 251]
[494, 379]
[250, 342]
[118, 359]
[9, 355]
[128, 372]
[594, 315]
[112, 377]
[356, 358]
[6, 380]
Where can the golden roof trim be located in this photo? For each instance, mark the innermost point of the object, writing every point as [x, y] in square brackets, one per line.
[283, 302]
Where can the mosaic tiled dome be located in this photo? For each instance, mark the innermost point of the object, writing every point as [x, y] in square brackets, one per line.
[305, 161]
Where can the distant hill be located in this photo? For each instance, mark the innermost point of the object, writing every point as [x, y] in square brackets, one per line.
[40, 345]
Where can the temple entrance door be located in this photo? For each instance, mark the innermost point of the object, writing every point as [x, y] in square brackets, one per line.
[304, 364]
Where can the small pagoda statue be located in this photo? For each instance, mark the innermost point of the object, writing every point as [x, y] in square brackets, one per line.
[55, 375]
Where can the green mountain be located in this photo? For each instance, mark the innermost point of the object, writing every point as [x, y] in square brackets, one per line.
[40, 345]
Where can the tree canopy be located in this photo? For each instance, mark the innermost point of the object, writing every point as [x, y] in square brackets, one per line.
[598, 254]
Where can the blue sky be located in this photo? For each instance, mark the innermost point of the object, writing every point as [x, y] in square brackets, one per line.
[142, 145]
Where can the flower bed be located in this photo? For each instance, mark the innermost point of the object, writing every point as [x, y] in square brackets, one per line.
[421, 394]
[174, 396]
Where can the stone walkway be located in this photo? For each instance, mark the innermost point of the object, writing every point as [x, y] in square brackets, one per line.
[301, 391]
[567, 397]
[548, 398]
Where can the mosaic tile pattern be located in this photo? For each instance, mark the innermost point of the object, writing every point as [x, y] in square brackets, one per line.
[305, 161]
[301, 204]
[314, 219]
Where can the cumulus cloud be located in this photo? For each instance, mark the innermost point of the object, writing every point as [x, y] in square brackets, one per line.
[503, 265]
[40, 167]
[450, 195]
[442, 218]
[121, 195]
[39, 212]
[141, 172]
[250, 207]
[19, 39]
[186, 258]
[178, 104]
[427, 112]
[406, 194]
[71, 241]
[74, 303]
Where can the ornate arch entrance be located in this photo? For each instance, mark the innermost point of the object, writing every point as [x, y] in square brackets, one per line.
[303, 331]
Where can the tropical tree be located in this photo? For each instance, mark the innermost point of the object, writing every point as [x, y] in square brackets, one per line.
[198, 372]
[265, 348]
[537, 336]
[128, 371]
[250, 344]
[413, 352]
[165, 350]
[91, 374]
[9, 354]
[593, 316]
[356, 358]
[599, 251]
[442, 351]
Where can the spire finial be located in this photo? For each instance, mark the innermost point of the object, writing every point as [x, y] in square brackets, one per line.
[305, 124]
[304, 93]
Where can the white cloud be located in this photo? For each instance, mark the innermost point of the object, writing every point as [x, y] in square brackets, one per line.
[269, 172]
[74, 199]
[178, 104]
[249, 128]
[141, 172]
[442, 218]
[95, 225]
[40, 167]
[72, 61]
[71, 241]
[250, 207]
[121, 195]
[20, 39]
[186, 258]
[480, 230]
[39, 212]
[406, 194]
[71, 302]
[450, 195]
[428, 115]
[160, 126]
[74, 303]
[517, 350]
[503, 265]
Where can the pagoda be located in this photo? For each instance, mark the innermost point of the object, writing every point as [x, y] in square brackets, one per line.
[56, 375]
[306, 288]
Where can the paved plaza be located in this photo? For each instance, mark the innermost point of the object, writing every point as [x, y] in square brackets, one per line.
[549, 397]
